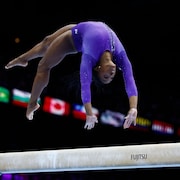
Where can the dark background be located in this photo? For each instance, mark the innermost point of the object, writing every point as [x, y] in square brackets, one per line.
[149, 31]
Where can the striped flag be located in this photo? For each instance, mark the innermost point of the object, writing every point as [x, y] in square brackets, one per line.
[79, 112]
[4, 95]
[56, 106]
[21, 98]
[162, 127]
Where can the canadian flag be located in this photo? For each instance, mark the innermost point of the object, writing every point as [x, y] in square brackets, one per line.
[56, 106]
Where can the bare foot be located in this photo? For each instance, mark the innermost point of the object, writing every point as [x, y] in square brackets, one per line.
[16, 62]
[30, 111]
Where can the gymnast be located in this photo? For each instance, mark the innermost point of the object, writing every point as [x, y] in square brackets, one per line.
[102, 53]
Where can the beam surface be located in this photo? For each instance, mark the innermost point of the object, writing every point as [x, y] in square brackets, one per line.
[95, 158]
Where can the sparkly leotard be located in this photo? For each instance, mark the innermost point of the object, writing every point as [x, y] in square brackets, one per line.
[92, 39]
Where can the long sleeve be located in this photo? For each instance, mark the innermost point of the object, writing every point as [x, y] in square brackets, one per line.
[126, 67]
[86, 77]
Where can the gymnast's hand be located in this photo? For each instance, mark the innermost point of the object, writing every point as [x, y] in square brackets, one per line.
[90, 122]
[30, 110]
[130, 118]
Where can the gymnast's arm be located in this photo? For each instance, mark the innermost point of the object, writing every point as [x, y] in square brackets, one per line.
[86, 79]
[131, 88]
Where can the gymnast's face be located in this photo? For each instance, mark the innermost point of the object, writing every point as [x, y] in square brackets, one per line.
[106, 69]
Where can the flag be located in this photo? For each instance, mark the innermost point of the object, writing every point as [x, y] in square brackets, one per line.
[21, 98]
[4, 95]
[56, 106]
[112, 118]
[162, 127]
[79, 112]
[142, 124]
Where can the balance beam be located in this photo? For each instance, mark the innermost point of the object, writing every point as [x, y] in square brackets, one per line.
[95, 158]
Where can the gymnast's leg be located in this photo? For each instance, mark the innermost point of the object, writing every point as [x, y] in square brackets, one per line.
[38, 50]
[59, 48]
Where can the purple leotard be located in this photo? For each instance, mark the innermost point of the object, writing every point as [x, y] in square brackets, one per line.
[92, 39]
